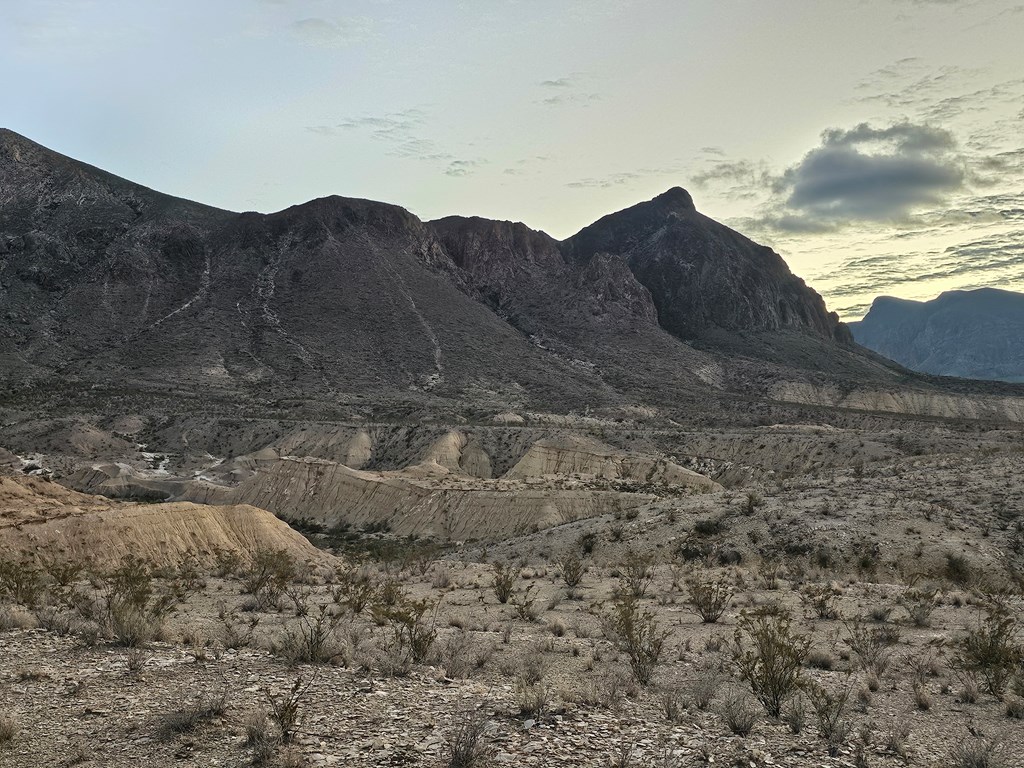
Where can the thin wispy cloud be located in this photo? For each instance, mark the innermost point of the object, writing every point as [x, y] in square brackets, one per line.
[332, 33]
[571, 90]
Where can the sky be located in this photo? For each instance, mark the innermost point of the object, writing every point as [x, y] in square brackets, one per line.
[877, 145]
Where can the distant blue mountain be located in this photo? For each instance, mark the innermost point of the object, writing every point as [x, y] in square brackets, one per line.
[973, 334]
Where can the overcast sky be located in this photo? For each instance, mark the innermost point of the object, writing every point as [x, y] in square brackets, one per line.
[877, 145]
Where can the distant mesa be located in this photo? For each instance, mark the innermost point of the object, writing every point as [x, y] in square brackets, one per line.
[976, 334]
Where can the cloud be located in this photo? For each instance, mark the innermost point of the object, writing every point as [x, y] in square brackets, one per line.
[738, 179]
[868, 174]
[624, 177]
[324, 33]
[399, 130]
[459, 168]
[568, 91]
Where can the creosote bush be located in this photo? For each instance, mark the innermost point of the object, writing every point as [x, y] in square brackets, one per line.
[21, 581]
[820, 600]
[990, 648]
[571, 569]
[266, 578]
[637, 571]
[413, 624]
[636, 632]
[709, 596]
[769, 654]
[467, 743]
[503, 581]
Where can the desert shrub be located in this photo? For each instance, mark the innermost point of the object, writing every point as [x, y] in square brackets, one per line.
[975, 752]
[190, 717]
[870, 645]
[284, 707]
[769, 655]
[8, 730]
[750, 503]
[461, 655]
[467, 742]
[354, 588]
[636, 632]
[830, 713]
[605, 690]
[132, 609]
[958, 570]
[990, 648]
[794, 714]
[314, 638]
[922, 698]
[769, 573]
[504, 581]
[919, 605]
[532, 691]
[672, 704]
[710, 526]
[21, 581]
[412, 623]
[260, 738]
[896, 737]
[1013, 706]
[587, 542]
[703, 688]
[818, 659]
[708, 597]
[571, 570]
[820, 600]
[637, 573]
[739, 713]
[267, 576]
[524, 605]
[226, 562]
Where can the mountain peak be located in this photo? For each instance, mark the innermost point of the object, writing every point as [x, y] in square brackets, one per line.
[675, 198]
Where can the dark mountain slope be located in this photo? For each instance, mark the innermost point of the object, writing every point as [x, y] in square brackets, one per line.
[104, 283]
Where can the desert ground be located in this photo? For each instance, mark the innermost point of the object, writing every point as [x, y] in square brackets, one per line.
[840, 598]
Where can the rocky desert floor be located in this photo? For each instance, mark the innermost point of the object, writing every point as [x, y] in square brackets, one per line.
[875, 607]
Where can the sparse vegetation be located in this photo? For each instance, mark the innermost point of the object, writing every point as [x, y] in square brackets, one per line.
[769, 654]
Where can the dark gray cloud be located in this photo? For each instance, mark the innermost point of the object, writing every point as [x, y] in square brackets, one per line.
[868, 174]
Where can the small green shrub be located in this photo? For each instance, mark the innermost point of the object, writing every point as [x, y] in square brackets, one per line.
[636, 632]
[267, 576]
[990, 648]
[769, 655]
[504, 581]
[709, 597]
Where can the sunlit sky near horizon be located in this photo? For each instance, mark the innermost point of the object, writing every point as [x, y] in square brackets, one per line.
[878, 145]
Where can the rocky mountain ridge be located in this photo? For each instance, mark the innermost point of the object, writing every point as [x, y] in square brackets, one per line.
[364, 310]
[976, 334]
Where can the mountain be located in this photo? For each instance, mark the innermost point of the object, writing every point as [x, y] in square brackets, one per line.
[112, 292]
[975, 334]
